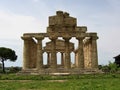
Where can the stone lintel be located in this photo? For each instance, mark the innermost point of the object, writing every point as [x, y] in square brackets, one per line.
[57, 50]
[62, 34]
[91, 34]
[58, 34]
[36, 35]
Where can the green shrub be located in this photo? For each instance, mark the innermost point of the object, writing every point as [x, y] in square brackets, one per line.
[14, 69]
[113, 67]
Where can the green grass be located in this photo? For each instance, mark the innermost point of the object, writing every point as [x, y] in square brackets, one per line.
[73, 82]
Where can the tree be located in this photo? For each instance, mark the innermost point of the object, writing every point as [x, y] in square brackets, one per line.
[7, 54]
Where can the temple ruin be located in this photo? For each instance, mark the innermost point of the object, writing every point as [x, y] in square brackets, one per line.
[62, 25]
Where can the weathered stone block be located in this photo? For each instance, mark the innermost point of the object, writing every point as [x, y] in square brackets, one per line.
[70, 21]
[81, 29]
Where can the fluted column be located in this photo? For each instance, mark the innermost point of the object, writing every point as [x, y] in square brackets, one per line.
[53, 63]
[85, 54]
[80, 53]
[94, 54]
[67, 64]
[26, 52]
[39, 53]
[89, 54]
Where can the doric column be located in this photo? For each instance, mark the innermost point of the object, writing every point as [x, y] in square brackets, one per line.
[33, 53]
[39, 53]
[53, 63]
[85, 54]
[94, 55]
[67, 64]
[26, 52]
[89, 54]
[62, 59]
[80, 53]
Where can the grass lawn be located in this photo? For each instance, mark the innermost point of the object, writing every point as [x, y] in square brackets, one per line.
[79, 82]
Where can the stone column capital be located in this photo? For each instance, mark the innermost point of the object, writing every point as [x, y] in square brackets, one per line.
[79, 38]
[67, 38]
[61, 52]
[48, 52]
[39, 38]
[94, 37]
[26, 37]
[52, 38]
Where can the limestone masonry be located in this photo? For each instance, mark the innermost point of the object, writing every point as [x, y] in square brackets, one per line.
[64, 26]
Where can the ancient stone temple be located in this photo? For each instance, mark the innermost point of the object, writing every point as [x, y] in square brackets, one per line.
[62, 25]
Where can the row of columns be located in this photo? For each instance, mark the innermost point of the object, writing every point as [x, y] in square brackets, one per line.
[67, 61]
[53, 57]
[49, 58]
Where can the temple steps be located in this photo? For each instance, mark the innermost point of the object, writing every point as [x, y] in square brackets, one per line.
[59, 71]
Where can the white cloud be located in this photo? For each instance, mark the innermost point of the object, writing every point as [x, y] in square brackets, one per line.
[13, 25]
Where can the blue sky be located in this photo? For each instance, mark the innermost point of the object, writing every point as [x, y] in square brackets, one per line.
[21, 16]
